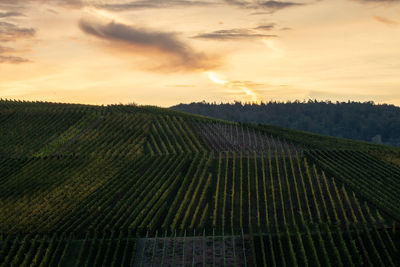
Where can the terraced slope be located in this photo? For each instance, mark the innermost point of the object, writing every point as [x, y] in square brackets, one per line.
[143, 186]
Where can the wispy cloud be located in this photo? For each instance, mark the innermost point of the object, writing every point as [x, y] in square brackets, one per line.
[268, 5]
[266, 27]
[240, 3]
[233, 34]
[4, 49]
[276, 5]
[146, 4]
[124, 5]
[379, 1]
[154, 44]
[12, 59]
[10, 14]
[5, 56]
[65, 3]
[121, 5]
[69, 3]
[11, 32]
[385, 21]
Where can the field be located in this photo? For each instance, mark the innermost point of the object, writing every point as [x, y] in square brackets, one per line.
[122, 185]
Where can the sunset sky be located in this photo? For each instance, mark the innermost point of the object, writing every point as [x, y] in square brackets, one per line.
[165, 52]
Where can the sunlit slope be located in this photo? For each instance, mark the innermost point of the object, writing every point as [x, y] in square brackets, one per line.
[132, 185]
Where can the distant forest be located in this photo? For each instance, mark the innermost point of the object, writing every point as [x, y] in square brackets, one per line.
[355, 120]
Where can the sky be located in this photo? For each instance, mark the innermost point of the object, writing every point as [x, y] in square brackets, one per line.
[165, 52]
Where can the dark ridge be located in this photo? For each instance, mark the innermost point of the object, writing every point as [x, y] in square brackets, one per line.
[363, 121]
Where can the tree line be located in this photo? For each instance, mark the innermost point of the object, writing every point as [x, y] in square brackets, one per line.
[366, 121]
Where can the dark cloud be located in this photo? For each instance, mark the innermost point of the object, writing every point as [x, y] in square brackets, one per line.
[266, 27]
[233, 34]
[69, 3]
[12, 59]
[276, 5]
[166, 42]
[157, 45]
[269, 5]
[10, 14]
[378, 1]
[65, 3]
[144, 4]
[11, 32]
[238, 3]
[113, 6]
[122, 5]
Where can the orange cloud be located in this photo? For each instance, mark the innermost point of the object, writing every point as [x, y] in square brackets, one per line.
[385, 20]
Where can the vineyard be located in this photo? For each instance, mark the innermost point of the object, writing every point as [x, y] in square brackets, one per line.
[124, 185]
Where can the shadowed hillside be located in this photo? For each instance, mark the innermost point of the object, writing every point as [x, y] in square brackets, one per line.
[139, 186]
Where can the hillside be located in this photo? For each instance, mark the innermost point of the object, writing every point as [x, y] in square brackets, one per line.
[355, 120]
[125, 185]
